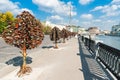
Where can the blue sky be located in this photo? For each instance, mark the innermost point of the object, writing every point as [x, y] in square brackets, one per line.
[84, 13]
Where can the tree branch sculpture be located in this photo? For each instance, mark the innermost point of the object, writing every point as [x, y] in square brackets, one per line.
[25, 33]
[64, 34]
[55, 36]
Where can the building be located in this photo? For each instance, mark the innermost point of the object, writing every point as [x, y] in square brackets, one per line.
[82, 31]
[115, 30]
[69, 28]
[72, 28]
[105, 32]
[52, 25]
[94, 30]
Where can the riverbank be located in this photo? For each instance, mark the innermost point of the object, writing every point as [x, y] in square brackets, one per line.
[50, 64]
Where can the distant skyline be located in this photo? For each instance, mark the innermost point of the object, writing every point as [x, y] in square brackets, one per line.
[85, 13]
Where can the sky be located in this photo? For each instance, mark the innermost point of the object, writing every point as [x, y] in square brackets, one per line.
[85, 13]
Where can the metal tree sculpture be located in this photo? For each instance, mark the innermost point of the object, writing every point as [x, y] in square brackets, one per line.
[25, 34]
[64, 34]
[55, 36]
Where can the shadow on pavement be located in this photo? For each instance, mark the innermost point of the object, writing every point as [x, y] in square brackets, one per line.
[3, 47]
[17, 61]
[44, 47]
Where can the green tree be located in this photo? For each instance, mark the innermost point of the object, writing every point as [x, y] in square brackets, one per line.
[5, 19]
[25, 33]
[47, 30]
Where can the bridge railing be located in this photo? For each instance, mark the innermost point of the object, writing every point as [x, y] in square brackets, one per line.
[108, 55]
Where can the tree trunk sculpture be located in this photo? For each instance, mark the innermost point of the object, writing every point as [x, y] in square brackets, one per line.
[25, 33]
[64, 34]
[55, 36]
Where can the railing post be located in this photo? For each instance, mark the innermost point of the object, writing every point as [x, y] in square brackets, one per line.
[96, 50]
[89, 41]
[118, 68]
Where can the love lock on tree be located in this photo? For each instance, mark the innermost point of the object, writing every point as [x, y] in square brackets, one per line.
[25, 33]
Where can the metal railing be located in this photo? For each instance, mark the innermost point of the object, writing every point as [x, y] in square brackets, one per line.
[109, 56]
[90, 44]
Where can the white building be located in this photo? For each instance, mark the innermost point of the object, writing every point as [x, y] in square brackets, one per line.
[82, 30]
[94, 30]
[47, 23]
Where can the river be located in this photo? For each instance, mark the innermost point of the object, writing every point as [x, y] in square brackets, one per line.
[109, 40]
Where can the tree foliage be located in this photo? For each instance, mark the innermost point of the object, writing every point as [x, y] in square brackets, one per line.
[47, 30]
[5, 19]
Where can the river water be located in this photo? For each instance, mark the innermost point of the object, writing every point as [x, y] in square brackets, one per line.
[109, 40]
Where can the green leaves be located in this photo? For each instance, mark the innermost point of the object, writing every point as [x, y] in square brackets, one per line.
[47, 30]
[5, 19]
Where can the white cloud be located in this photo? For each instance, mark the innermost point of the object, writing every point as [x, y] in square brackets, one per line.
[84, 2]
[60, 20]
[85, 24]
[97, 20]
[55, 6]
[97, 8]
[25, 9]
[115, 2]
[8, 5]
[103, 24]
[55, 19]
[86, 16]
[112, 9]
[75, 21]
[109, 21]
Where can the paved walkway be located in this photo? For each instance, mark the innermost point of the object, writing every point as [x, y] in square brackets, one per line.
[61, 64]
[51, 64]
[71, 61]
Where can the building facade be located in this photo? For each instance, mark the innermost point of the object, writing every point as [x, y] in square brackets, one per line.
[82, 31]
[47, 23]
[72, 28]
[94, 30]
[115, 30]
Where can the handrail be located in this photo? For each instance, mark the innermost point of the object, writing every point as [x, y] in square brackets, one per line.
[92, 45]
[108, 55]
[89, 43]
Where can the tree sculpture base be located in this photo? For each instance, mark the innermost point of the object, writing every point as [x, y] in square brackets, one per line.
[24, 70]
[63, 40]
[55, 47]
